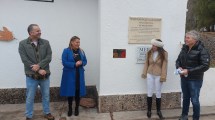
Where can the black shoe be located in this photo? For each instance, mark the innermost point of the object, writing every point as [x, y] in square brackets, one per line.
[149, 114]
[195, 119]
[76, 111]
[183, 117]
[28, 118]
[69, 113]
[159, 113]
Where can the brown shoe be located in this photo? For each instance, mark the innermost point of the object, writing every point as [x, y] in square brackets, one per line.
[28, 118]
[49, 116]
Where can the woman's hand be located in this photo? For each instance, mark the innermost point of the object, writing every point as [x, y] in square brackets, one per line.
[78, 63]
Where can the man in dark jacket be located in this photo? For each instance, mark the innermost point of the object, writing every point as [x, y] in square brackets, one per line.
[36, 55]
[192, 61]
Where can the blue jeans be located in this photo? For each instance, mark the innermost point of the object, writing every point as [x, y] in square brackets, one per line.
[191, 90]
[32, 86]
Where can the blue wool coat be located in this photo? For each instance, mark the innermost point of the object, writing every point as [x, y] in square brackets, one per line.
[68, 81]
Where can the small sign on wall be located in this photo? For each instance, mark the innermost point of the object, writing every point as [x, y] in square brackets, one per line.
[141, 53]
[119, 53]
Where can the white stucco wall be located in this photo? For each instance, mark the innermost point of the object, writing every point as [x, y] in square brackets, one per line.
[123, 76]
[208, 89]
[59, 21]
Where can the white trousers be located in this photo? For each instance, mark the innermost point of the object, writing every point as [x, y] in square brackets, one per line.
[154, 81]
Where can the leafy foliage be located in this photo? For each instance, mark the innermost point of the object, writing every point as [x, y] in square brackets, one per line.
[204, 10]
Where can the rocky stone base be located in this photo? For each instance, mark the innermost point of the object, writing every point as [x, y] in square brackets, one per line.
[17, 95]
[115, 103]
[111, 103]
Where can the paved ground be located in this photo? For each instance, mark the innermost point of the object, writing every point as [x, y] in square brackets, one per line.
[16, 112]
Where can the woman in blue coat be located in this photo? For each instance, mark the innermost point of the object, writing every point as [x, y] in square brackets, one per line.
[73, 83]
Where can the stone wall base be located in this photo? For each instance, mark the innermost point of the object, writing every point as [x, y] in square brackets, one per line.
[17, 95]
[114, 103]
[110, 103]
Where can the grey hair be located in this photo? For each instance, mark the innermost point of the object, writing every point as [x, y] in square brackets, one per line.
[194, 34]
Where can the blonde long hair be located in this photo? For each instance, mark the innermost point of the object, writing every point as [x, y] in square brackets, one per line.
[73, 39]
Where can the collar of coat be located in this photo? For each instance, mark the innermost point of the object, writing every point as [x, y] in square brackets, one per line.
[198, 45]
[40, 41]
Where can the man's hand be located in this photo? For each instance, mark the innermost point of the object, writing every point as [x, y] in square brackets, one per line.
[42, 72]
[185, 72]
[35, 67]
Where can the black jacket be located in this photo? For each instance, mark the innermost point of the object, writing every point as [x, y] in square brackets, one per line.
[197, 61]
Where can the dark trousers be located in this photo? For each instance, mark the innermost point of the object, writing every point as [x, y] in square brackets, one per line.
[77, 90]
[191, 90]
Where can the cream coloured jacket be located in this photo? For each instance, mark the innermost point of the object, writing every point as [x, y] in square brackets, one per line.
[157, 67]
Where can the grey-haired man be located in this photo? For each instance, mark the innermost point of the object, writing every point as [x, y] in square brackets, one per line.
[193, 61]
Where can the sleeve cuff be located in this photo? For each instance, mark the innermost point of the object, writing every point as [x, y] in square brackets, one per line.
[143, 76]
[162, 79]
